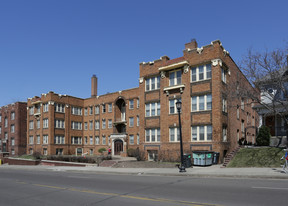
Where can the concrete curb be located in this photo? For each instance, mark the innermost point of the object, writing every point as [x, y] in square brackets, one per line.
[211, 172]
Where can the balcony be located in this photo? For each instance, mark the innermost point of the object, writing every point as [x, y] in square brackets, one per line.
[120, 121]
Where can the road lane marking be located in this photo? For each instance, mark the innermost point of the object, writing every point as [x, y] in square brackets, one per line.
[270, 188]
[20, 182]
[124, 196]
[48, 186]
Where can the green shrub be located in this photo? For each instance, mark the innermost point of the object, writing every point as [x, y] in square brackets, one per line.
[101, 150]
[263, 137]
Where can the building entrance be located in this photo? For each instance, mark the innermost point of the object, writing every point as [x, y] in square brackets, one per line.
[118, 146]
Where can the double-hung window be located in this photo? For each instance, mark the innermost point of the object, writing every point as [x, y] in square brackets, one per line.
[201, 73]
[31, 110]
[109, 123]
[224, 133]
[38, 139]
[45, 139]
[224, 105]
[76, 125]
[31, 124]
[31, 139]
[97, 109]
[131, 121]
[12, 115]
[131, 104]
[76, 140]
[153, 83]
[97, 140]
[152, 109]
[131, 139]
[201, 133]
[12, 129]
[103, 123]
[91, 125]
[223, 75]
[59, 108]
[152, 135]
[175, 78]
[59, 123]
[201, 103]
[174, 134]
[110, 107]
[45, 107]
[45, 123]
[103, 140]
[77, 110]
[97, 125]
[172, 106]
[6, 122]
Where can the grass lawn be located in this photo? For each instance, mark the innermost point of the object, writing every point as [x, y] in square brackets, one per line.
[258, 157]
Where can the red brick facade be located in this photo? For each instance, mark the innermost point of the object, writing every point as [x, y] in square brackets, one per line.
[145, 117]
[13, 129]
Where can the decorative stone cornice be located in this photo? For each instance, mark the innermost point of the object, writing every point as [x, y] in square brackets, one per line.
[173, 66]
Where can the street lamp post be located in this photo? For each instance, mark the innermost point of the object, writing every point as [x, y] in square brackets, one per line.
[178, 106]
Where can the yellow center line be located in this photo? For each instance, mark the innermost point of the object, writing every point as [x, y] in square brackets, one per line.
[48, 186]
[124, 196]
[20, 182]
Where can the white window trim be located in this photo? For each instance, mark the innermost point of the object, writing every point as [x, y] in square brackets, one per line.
[110, 107]
[198, 134]
[130, 122]
[175, 78]
[149, 80]
[103, 123]
[131, 136]
[197, 73]
[175, 108]
[224, 75]
[198, 103]
[110, 124]
[150, 109]
[150, 135]
[45, 123]
[175, 134]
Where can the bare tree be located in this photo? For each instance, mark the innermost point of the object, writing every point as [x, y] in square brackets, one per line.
[268, 72]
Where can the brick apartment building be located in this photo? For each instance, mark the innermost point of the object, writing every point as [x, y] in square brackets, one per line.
[13, 129]
[213, 118]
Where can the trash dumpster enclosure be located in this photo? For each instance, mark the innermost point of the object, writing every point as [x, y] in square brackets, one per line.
[203, 158]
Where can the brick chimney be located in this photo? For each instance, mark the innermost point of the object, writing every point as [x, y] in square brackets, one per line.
[94, 86]
[191, 45]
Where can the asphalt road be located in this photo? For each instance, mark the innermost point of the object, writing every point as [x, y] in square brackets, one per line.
[45, 188]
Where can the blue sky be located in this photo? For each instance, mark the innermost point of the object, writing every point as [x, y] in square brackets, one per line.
[57, 45]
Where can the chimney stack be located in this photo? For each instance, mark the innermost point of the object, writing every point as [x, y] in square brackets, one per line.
[94, 86]
[191, 45]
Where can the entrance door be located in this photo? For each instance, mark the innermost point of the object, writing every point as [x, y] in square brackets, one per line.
[118, 146]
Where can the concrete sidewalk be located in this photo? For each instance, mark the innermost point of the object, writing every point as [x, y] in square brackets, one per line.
[212, 171]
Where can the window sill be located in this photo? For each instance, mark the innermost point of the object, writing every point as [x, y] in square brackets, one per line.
[200, 81]
[201, 141]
